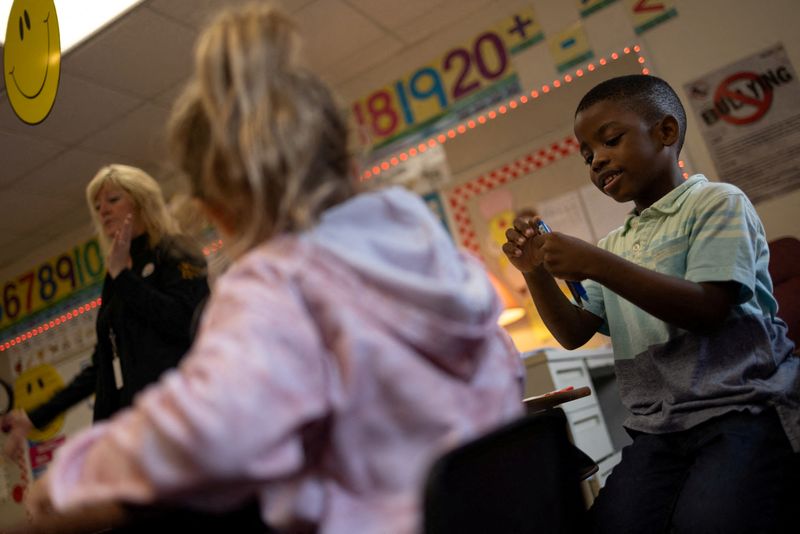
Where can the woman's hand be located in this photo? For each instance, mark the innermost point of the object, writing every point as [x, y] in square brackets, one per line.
[119, 257]
[17, 425]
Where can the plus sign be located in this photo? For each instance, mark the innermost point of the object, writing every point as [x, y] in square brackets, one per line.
[519, 26]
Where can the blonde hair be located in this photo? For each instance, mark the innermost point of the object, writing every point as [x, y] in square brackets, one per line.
[259, 137]
[146, 195]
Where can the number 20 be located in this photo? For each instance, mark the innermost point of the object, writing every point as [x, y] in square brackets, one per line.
[462, 87]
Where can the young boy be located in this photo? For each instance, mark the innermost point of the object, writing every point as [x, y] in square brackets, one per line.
[702, 362]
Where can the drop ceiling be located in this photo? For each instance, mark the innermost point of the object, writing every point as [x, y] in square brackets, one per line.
[117, 87]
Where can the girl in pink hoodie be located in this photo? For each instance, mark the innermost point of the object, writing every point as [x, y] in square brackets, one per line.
[348, 346]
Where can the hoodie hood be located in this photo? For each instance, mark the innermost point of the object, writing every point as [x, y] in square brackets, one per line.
[400, 251]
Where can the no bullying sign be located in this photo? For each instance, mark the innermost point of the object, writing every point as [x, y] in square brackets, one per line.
[749, 115]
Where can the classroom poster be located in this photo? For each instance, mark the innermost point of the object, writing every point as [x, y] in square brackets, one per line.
[749, 115]
[472, 76]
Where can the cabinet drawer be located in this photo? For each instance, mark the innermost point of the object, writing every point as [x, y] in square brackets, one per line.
[589, 432]
[572, 373]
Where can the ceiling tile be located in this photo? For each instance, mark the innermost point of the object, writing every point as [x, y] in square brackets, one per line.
[345, 31]
[392, 14]
[139, 134]
[443, 18]
[21, 154]
[168, 97]
[197, 13]
[81, 108]
[64, 176]
[143, 53]
[23, 212]
[365, 59]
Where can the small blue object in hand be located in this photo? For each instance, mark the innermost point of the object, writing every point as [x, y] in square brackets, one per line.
[575, 288]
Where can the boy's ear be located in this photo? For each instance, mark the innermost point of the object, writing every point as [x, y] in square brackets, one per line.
[668, 130]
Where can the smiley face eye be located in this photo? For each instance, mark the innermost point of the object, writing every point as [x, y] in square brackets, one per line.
[40, 382]
[27, 24]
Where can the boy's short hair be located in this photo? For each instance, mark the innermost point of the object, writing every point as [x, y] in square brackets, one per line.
[649, 96]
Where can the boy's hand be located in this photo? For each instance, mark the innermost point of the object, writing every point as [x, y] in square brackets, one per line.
[567, 257]
[523, 244]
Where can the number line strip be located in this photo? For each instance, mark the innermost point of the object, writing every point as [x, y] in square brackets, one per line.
[63, 318]
[502, 109]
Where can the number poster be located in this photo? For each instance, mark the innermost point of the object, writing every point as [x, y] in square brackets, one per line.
[51, 282]
[463, 81]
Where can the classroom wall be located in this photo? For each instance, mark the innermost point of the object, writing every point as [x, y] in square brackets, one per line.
[25, 263]
[706, 35]
[713, 33]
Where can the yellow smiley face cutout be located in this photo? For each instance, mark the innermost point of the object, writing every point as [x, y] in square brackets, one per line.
[34, 387]
[32, 58]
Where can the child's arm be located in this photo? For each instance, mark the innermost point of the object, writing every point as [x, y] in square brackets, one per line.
[569, 324]
[230, 416]
[692, 306]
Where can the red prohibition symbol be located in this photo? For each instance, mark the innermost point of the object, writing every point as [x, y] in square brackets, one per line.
[726, 99]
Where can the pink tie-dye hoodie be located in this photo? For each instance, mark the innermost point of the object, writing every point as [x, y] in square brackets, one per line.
[331, 368]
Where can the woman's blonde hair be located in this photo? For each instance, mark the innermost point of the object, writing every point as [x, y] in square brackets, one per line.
[260, 138]
[147, 198]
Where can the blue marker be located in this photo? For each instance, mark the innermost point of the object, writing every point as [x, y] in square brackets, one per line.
[575, 288]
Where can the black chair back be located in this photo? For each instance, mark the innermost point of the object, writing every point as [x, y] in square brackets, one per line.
[523, 477]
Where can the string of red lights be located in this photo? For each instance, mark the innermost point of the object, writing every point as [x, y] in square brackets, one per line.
[502, 109]
[385, 165]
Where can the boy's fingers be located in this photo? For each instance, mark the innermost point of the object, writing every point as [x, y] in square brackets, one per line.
[522, 224]
[514, 236]
[510, 249]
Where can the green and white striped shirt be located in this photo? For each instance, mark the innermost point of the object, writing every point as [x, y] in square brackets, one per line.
[672, 379]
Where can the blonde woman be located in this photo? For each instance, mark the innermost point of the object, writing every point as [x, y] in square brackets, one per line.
[348, 345]
[155, 280]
